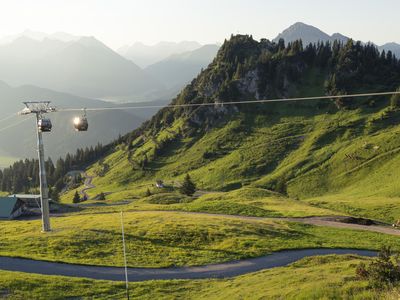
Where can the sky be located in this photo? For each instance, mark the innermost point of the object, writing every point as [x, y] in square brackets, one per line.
[121, 22]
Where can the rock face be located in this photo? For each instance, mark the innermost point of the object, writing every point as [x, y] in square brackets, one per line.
[249, 84]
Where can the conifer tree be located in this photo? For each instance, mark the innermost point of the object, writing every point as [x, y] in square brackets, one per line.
[76, 198]
[188, 187]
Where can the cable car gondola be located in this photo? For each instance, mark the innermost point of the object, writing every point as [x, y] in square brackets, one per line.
[44, 125]
[81, 123]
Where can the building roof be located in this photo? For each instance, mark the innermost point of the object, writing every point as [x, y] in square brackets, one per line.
[7, 205]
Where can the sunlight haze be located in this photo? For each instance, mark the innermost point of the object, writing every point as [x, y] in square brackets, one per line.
[122, 22]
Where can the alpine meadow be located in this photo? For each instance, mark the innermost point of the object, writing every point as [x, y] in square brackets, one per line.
[247, 168]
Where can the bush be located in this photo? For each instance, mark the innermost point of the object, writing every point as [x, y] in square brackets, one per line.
[148, 193]
[383, 271]
[395, 100]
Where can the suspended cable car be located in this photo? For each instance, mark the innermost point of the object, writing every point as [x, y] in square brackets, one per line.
[81, 123]
[44, 125]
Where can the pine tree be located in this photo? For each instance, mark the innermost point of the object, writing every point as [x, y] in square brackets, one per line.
[54, 195]
[76, 198]
[188, 187]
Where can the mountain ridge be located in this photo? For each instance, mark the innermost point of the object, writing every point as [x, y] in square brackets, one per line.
[145, 55]
[84, 67]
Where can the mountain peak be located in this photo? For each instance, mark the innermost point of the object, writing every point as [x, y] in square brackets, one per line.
[308, 34]
[91, 41]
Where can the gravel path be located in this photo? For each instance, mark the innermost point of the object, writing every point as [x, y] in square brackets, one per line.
[88, 185]
[229, 269]
[329, 221]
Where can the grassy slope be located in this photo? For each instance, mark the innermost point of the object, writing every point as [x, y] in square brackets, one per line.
[171, 238]
[310, 278]
[347, 161]
[246, 201]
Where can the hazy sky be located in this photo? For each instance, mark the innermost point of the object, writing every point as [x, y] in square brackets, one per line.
[119, 22]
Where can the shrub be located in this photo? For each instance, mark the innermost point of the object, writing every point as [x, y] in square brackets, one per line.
[148, 193]
[395, 100]
[383, 271]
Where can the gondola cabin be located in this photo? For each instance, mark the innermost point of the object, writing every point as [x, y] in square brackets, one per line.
[44, 125]
[81, 124]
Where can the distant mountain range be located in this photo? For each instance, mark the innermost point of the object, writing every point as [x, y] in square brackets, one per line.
[19, 140]
[84, 67]
[310, 34]
[145, 55]
[64, 65]
[40, 36]
[178, 70]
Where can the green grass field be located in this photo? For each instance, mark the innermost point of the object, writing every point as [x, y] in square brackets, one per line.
[327, 277]
[163, 239]
[246, 202]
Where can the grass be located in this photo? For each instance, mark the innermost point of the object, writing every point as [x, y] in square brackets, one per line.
[352, 156]
[327, 277]
[246, 201]
[375, 207]
[254, 202]
[163, 239]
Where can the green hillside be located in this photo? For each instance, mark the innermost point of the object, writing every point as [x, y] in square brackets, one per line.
[277, 160]
[341, 155]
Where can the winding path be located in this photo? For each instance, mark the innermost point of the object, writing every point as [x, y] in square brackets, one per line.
[223, 270]
[328, 221]
[88, 185]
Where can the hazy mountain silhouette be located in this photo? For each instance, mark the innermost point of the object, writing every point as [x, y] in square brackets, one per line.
[394, 47]
[179, 69]
[19, 141]
[39, 36]
[84, 67]
[308, 34]
[144, 55]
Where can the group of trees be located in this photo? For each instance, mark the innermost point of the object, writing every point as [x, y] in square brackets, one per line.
[245, 69]
[279, 68]
[23, 175]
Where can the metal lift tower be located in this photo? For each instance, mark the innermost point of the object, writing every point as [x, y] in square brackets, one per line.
[39, 109]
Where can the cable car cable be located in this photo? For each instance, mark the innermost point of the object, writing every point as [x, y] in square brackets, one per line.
[234, 102]
[8, 118]
[15, 124]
